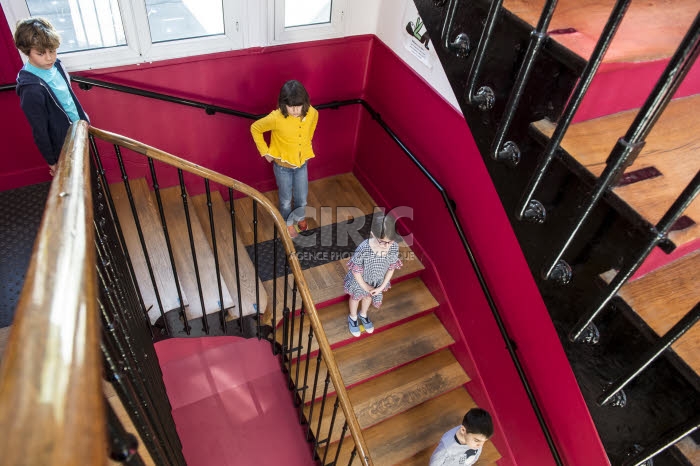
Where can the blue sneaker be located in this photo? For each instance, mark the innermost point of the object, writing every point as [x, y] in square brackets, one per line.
[366, 323]
[354, 327]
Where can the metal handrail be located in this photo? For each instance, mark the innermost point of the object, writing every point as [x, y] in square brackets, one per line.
[449, 203]
[303, 289]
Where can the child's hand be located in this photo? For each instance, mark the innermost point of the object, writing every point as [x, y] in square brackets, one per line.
[52, 169]
[375, 291]
[269, 158]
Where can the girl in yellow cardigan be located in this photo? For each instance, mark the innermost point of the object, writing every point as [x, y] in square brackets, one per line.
[291, 129]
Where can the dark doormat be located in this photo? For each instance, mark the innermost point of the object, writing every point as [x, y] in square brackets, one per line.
[21, 210]
[315, 247]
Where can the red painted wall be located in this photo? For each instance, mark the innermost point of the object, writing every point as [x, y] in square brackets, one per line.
[439, 136]
[247, 80]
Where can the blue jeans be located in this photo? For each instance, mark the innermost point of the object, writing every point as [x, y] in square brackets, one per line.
[292, 182]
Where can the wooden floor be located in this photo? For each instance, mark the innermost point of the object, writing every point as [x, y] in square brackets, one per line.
[672, 148]
[662, 302]
[651, 30]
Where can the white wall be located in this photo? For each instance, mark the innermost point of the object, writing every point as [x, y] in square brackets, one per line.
[391, 29]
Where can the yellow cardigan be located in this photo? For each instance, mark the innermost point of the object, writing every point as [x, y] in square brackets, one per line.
[290, 137]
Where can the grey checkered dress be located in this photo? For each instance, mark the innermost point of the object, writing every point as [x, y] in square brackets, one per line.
[373, 269]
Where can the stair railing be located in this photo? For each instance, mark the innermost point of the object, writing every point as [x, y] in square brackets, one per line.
[623, 155]
[530, 208]
[509, 150]
[291, 347]
[51, 405]
[88, 83]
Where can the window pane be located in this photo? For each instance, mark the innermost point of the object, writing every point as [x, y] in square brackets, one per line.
[306, 12]
[82, 24]
[184, 19]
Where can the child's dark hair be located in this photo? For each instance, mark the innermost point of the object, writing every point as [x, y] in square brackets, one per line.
[36, 33]
[478, 421]
[384, 226]
[293, 94]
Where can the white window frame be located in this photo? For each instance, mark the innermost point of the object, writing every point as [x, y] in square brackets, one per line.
[139, 48]
[278, 34]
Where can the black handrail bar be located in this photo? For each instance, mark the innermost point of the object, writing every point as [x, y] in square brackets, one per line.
[8, 87]
[449, 203]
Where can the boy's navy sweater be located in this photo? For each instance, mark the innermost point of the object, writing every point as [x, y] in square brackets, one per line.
[45, 114]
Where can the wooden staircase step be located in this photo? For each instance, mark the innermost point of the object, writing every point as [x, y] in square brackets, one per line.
[406, 436]
[394, 392]
[177, 228]
[650, 30]
[326, 281]
[151, 226]
[227, 265]
[341, 197]
[671, 148]
[405, 299]
[397, 346]
[664, 296]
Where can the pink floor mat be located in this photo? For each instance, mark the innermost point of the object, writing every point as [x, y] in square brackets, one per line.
[231, 404]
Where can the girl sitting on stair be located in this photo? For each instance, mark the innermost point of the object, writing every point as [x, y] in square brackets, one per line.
[370, 270]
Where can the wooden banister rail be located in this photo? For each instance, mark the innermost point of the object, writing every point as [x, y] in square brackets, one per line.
[51, 403]
[324, 346]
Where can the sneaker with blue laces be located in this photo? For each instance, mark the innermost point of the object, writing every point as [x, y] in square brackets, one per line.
[366, 323]
[354, 327]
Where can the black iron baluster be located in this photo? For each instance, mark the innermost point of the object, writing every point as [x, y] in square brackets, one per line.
[343, 433]
[460, 46]
[292, 348]
[275, 241]
[299, 347]
[232, 210]
[125, 390]
[353, 453]
[527, 203]
[336, 406]
[216, 256]
[168, 243]
[626, 150]
[123, 446]
[103, 187]
[130, 310]
[139, 230]
[674, 212]
[183, 194]
[313, 393]
[257, 269]
[678, 330]
[484, 97]
[286, 344]
[139, 381]
[306, 369]
[665, 442]
[510, 151]
[326, 384]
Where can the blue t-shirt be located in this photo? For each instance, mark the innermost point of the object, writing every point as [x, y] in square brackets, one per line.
[58, 85]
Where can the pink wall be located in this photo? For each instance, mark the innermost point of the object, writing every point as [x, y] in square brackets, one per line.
[439, 136]
[247, 80]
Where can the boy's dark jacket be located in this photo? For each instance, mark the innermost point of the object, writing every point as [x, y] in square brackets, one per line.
[46, 116]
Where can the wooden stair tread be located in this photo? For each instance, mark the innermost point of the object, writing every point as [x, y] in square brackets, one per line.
[671, 147]
[155, 244]
[394, 392]
[330, 200]
[405, 299]
[650, 31]
[325, 282]
[664, 296]
[227, 266]
[405, 435]
[177, 228]
[398, 346]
